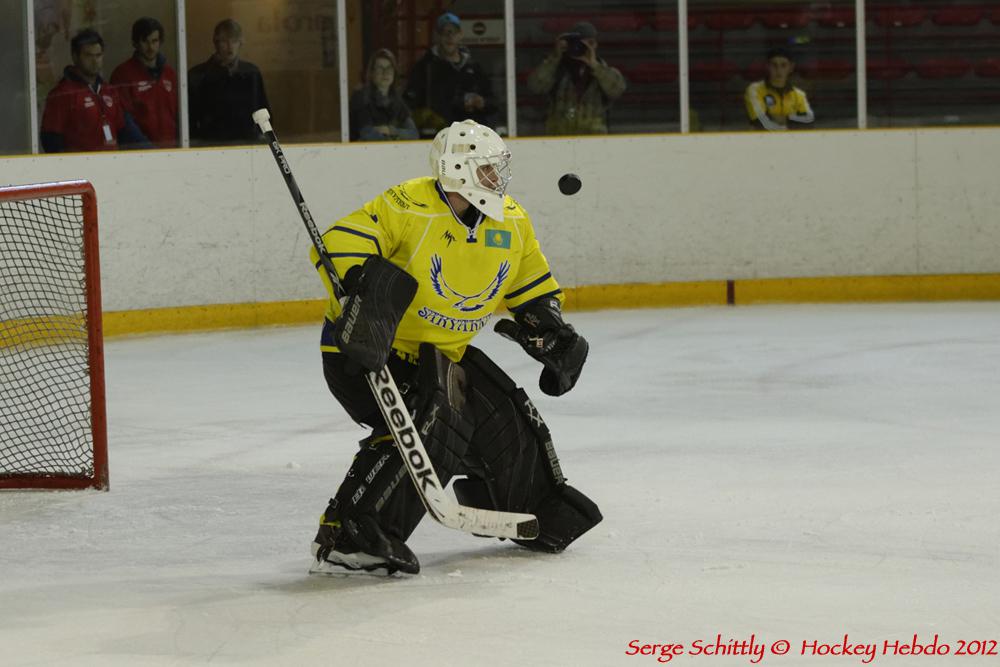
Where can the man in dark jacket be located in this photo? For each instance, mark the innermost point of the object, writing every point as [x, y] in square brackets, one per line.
[446, 85]
[224, 92]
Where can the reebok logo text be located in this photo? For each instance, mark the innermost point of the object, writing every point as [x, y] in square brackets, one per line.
[402, 428]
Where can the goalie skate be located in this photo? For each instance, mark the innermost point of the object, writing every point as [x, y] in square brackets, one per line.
[329, 561]
[359, 546]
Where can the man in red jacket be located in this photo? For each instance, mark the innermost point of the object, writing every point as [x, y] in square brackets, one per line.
[148, 85]
[82, 113]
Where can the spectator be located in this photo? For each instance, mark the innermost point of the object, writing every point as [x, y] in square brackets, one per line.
[378, 112]
[82, 113]
[148, 85]
[225, 91]
[775, 104]
[580, 86]
[447, 85]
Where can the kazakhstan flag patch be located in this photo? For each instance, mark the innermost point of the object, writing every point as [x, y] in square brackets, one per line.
[498, 238]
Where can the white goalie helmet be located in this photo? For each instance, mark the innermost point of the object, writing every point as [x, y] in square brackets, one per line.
[472, 160]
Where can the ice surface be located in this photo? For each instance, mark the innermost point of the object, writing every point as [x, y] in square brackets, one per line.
[793, 472]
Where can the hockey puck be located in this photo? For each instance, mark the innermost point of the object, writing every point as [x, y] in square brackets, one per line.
[570, 184]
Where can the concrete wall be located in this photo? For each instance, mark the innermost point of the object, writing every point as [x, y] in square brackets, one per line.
[181, 228]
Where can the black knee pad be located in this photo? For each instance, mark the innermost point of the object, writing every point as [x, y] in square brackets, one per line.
[563, 516]
[439, 406]
[346, 381]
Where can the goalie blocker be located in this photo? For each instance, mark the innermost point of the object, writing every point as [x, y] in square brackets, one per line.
[378, 293]
[476, 423]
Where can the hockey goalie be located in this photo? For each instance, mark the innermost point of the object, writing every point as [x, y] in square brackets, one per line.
[424, 267]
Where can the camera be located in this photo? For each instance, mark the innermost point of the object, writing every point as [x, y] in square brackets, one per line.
[574, 44]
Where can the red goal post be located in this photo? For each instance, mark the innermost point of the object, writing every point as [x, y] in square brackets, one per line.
[53, 428]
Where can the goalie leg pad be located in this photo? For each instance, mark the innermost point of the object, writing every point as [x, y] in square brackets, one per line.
[512, 446]
[378, 483]
[473, 492]
[512, 462]
[351, 534]
[563, 516]
[437, 399]
[373, 478]
[367, 326]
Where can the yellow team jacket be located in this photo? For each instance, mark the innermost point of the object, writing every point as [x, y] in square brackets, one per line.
[773, 107]
[463, 275]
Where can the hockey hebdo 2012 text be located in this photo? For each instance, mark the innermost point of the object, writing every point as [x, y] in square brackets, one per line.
[755, 649]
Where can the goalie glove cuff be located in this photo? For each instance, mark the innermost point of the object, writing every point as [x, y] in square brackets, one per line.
[540, 330]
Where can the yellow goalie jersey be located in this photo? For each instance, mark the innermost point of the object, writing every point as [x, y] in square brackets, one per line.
[463, 274]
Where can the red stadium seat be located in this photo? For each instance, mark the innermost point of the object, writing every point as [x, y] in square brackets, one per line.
[828, 69]
[561, 24]
[836, 17]
[995, 17]
[899, 17]
[943, 68]
[716, 70]
[957, 15]
[654, 71]
[617, 22]
[728, 19]
[667, 21]
[988, 68]
[887, 68]
[755, 71]
[784, 19]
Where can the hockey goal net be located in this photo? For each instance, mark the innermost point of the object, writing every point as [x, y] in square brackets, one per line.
[52, 416]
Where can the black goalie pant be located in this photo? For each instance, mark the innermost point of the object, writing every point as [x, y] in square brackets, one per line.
[476, 423]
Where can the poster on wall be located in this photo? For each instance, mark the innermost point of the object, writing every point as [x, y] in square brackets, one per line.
[483, 31]
[56, 21]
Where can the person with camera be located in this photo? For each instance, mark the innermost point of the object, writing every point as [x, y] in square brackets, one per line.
[581, 87]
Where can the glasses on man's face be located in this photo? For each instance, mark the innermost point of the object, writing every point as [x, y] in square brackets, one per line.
[383, 68]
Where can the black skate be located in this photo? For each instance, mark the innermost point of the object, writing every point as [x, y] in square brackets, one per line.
[359, 545]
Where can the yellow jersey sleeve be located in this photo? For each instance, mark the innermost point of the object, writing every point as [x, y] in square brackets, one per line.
[533, 278]
[749, 100]
[350, 240]
[801, 103]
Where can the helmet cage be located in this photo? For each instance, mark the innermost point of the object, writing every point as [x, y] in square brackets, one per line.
[491, 172]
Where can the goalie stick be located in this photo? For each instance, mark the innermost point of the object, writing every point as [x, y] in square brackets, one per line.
[439, 504]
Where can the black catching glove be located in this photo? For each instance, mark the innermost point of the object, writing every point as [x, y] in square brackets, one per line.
[538, 327]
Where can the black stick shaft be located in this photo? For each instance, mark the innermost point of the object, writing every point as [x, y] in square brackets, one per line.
[300, 204]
